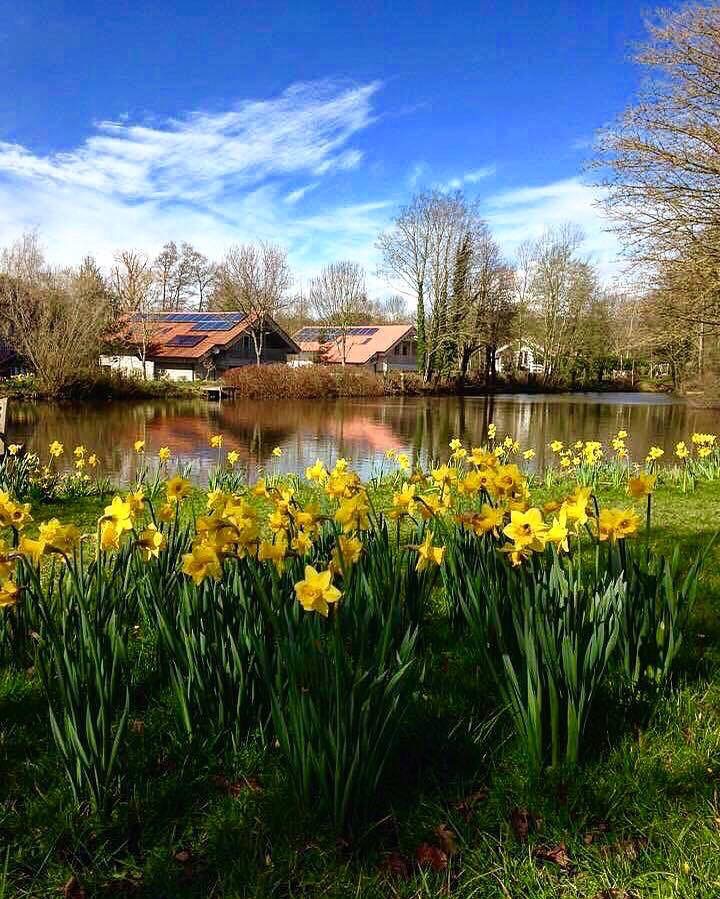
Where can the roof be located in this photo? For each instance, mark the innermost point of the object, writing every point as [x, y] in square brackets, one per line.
[362, 343]
[192, 335]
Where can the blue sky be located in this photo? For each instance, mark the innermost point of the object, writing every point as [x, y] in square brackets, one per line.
[132, 123]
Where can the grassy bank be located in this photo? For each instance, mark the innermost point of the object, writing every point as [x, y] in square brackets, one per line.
[457, 812]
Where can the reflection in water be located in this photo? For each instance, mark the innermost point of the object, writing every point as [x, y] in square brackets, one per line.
[359, 429]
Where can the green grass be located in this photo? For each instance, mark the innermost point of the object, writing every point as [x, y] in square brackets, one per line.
[641, 815]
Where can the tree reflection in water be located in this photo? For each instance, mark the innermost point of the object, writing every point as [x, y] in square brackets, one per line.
[361, 430]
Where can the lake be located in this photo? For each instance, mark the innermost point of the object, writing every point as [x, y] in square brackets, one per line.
[360, 429]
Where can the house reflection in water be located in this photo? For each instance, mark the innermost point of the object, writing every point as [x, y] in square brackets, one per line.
[359, 429]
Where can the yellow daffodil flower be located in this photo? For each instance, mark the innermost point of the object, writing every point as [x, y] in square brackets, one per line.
[201, 563]
[177, 488]
[316, 591]
[428, 553]
[151, 542]
[642, 485]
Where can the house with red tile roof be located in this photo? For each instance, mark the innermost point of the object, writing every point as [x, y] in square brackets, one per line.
[186, 346]
[378, 347]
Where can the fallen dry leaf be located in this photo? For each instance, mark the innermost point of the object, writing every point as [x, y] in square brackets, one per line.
[183, 856]
[522, 822]
[73, 889]
[236, 788]
[596, 831]
[395, 865]
[446, 838]
[556, 854]
[466, 805]
[429, 856]
[628, 848]
[613, 893]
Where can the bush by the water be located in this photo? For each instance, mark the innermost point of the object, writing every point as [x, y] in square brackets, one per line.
[318, 382]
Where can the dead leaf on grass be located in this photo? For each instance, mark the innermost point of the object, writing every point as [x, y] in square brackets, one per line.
[429, 856]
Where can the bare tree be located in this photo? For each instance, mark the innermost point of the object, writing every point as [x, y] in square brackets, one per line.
[663, 156]
[56, 318]
[201, 275]
[132, 286]
[254, 280]
[420, 252]
[338, 296]
[405, 256]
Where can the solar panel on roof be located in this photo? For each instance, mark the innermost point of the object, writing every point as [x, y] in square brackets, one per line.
[214, 325]
[186, 340]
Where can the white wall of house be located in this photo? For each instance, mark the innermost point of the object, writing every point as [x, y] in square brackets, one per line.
[128, 365]
[175, 371]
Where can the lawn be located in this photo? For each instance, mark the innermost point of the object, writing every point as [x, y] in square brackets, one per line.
[458, 814]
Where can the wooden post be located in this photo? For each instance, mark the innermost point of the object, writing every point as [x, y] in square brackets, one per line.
[3, 419]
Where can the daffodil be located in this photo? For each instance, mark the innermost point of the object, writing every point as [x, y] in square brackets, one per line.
[136, 501]
[641, 486]
[32, 549]
[79, 452]
[164, 454]
[166, 512]
[489, 520]
[316, 591]
[9, 593]
[109, 535]
[444, 476]
[352, 514]
[301, 543]
[177, 489]
[681, 450]
[616, 524]
[62, 538]
[403, 461]
[92, 460]
[654, 453]
[403, 502]
[151, 542]
[277, 452]
[14, 448]
[556, 446]
[216, 441]
[139, 446]
[274, 552]
[492, 431]
[233, 457]
[557, 533]
[526, 529]
[428, 553]
[201, 563]
[56, 449]
[346, 553]
[120, 513]
[529, 454]
[317, 472]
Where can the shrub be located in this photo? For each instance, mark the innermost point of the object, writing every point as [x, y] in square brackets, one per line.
[317, 382]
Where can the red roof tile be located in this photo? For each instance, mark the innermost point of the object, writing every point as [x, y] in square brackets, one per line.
[359, 348]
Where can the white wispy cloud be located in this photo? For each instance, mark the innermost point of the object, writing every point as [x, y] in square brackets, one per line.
[473, 177]
[524, 213]
[296, 195]
[212, 178]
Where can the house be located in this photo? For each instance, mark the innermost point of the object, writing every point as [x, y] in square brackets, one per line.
[519, 356]
[378, 347]
[186, 346]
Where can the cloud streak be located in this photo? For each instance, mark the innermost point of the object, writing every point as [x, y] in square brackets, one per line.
[212, 178]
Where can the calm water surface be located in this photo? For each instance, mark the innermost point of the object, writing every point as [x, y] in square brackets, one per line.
[359, 429]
